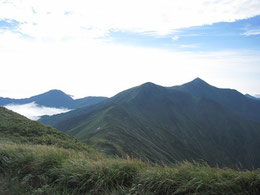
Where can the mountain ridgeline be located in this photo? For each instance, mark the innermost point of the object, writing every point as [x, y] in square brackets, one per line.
[169, 125]
[54, 98]
[232, 99]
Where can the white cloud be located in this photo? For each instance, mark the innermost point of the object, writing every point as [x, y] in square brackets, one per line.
[175, 38]
[33, 111]
[252, 32]
[50, 18]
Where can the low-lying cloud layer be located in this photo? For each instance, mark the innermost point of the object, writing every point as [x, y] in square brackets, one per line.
[33, 111]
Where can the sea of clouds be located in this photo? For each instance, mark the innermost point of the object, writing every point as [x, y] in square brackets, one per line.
[34, 111]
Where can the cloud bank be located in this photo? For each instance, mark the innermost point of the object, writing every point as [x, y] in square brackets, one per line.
[33, 111]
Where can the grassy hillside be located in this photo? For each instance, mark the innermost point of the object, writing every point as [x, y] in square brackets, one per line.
[18, 129]
[230, 98]
[164, 125]
[35, 159]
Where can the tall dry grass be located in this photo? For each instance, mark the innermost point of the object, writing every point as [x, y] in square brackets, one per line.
[51, 170]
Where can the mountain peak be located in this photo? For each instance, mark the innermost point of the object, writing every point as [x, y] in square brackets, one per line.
[53, 98]
[148, 84]
[199, 80]
[56, 91]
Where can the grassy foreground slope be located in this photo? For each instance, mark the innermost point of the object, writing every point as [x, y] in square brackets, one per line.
[45, 161]
[28, 169]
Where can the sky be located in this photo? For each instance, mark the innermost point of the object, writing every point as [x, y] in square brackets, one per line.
[101, 47]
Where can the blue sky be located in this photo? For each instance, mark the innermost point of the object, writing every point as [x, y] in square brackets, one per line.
[103, 47]
[241, 34]
[6, 24]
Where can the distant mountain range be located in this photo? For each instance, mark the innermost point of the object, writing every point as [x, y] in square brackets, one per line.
[54, 98]
[195, 121]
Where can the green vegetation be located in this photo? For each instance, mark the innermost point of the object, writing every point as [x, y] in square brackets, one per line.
[18, 129]
[45, 161]
[164, 125]
[27, 169]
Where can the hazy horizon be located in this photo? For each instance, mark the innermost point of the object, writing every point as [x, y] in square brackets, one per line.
[73, 97]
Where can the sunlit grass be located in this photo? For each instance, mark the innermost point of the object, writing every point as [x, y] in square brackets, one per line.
[52, 170]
